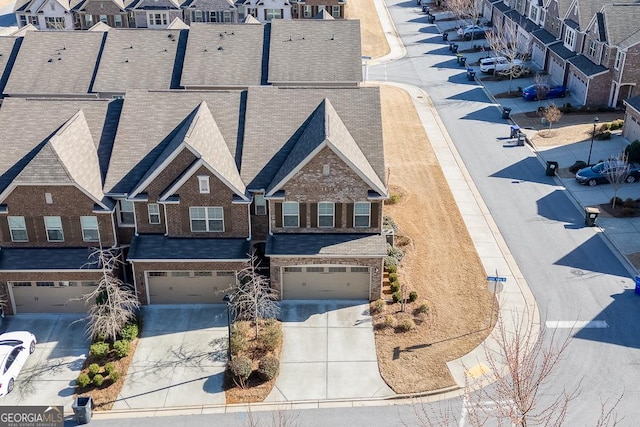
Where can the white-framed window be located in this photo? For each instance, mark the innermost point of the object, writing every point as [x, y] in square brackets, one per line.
[271, 14]
[326, 214]
[89, 226]
[593, 46]
[33, 20]
[196, 16]
[88, 20]
[53, 225]
[227, 17]
[534, 12]
[126, 214]
[203, 184]
[362, 214]
[326, 170]
[543, 15]
[23, 20]
[205, 218]
[103, 19]
[117, 21]
[154, 213]
[335, 11]
[54, 22]
[157, 19]
[619, 60]
[290, 214]
[48, 199]
[261, 204]
[18, 229]
[307, 11]
[569, 38]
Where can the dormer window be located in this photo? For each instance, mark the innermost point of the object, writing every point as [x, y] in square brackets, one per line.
[261, 204]
[534, 13]
[569, 38]
[619, 60]
[203, 183]
[48, 199]
[593, 46]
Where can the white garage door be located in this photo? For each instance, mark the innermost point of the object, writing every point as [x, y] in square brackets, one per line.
[631, 129]
[537, 55]
[556, 71]
[51, 297]
[326, 282]
[577, 87]
[189, 287]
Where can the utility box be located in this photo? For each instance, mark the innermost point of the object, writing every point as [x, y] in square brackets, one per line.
[82, 409]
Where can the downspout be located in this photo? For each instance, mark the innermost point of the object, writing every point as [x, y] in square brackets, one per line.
[269, 218]
[166, 221]
[249, 220]
[115, 234]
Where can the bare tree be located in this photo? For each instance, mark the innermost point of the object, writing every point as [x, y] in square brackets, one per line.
[503, 40]
[552, 114]
[616, 170]
[542, 86]
[115, 302]
[253, 298]
[468, 11]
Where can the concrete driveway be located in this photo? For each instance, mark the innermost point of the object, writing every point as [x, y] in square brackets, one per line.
[180, 358]
[49, 375]
[328, 353]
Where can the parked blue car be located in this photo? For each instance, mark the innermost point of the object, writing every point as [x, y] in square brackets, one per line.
[597, 174]
[529, 93]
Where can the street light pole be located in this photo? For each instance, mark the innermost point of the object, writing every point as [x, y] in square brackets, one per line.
[593, 134]
[228, 298]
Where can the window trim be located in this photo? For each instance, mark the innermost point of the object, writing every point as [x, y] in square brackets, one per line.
[619, 59]
[96, 229]
[324, 215]
[24, 223]
[570, 36]
[47, 229]
[152, 214]
[206, 218]
[593, 48]
[356, 215]
[285, 214]
[122, 223]
[263, 204]
[203, 184]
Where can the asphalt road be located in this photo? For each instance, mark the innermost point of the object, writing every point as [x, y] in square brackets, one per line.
[571, 271]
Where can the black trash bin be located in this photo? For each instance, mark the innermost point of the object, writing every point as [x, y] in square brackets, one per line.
[515, 130]
[463, 60]
[425, 8]
[454, 48]
[590, 216]
[471, 75]
[445, 37]
[451, 46]
[506, 112]
[431, 19]
[551, 168]
[82, 409]
[521, 137]
[419, 2]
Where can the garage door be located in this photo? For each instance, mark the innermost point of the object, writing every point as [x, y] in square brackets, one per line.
[577, 88]
[326, 282]
[537, 55]
[188, 287]
[631, 129]
[556, 71]
[50, 297]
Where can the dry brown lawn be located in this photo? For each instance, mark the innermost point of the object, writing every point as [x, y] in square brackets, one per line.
[440, 263]
[374, 42]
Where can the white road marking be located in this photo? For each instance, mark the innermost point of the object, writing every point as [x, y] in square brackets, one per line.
[576, 324]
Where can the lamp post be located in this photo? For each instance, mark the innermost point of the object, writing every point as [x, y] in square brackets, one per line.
[593, 134]
[228, 298]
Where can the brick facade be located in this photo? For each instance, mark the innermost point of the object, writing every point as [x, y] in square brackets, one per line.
[376, 266]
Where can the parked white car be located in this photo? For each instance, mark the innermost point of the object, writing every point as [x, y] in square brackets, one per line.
[15, 348]
[498, 63]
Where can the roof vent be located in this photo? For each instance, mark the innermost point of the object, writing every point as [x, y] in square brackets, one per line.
[126, 60]
[170, 35]
[220, 48]
[332, 37]
[205, 49]
[64, 46]
[222, 35]
[50, 60]
[130, 45]
[59, 59]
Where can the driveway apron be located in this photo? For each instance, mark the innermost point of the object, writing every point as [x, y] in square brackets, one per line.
[328, 352]
[180, 358]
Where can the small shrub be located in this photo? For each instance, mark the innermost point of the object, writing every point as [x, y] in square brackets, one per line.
[603, 136]
[83, 380]
[397, 296]
[604, 127]
[389, 224]
[114, 376]
[395, 252]
[98, 380]
[240, 368]
[393, 199]
[99, 349]
[393, 277]
[378, 306]
[239, 337]
[94, 368]
[628, 212]
[271, 336]
[616, 124]
[268, 368]
[405, 325]
[413, 296]
[122, 348]
[389, 321]
[423, 308]
[392, 269]
[579, 164]
[129, 332]
[109, 368]
[390, 262]
[629, 203]
[618, 201]
[395, 287]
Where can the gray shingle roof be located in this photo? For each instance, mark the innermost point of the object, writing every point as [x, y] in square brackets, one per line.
[28, 123]
[148, 123]
[559, 49]
[47, 259]
[21, 5]
[275, 119]
[304, 51]
[8, 50]
[588, 8]
[209, 5]
[120, 3]
[69, 157]
[156, 246]
[587, 67]
[156, 5]
[239, 63]
[544, 36]
[137, 59]
[634, 102]
[326, 128]
[326, 244]
[621, 22]
[55, 62]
